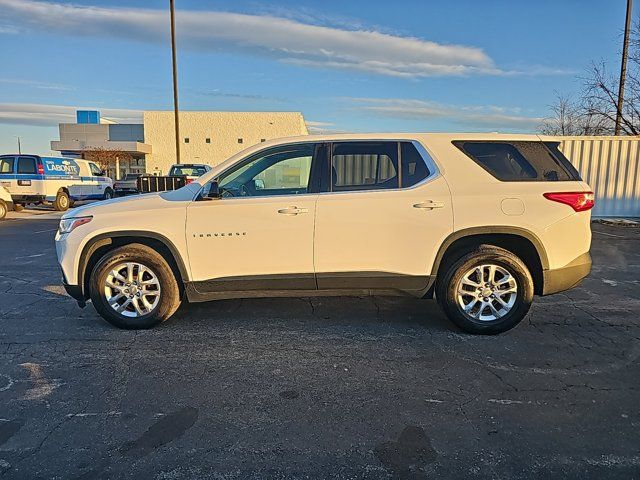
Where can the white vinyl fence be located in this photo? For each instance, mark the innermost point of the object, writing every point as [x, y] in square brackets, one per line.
[611, 166]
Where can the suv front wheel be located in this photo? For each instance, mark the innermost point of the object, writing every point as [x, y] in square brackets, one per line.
[487, 291]
[133, 287]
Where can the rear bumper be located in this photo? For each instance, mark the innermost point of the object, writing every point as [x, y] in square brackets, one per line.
[560, 279]
[28, 198]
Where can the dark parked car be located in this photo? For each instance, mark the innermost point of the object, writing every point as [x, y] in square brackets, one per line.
[127, 185]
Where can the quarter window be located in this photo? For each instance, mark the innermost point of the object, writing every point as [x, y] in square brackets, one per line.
[6, 165]
[414, 170]
[364, 166]
[26, 165]
[520, 161]
[278, 171]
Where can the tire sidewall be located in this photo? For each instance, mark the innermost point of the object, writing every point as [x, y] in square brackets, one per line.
[58, 205]
[108, 194]
[509, 262]
[98, 278]
[3, 209]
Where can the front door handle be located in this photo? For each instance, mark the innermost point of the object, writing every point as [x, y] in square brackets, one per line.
[428, 205]
[293, 211]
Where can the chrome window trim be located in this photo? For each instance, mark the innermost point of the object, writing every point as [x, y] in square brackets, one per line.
[434, 171]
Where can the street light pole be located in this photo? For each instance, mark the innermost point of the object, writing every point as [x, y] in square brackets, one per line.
[175, 80]
[623, 67]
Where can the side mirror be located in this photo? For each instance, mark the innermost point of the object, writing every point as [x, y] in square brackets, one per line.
[214, 191]
[103, 173]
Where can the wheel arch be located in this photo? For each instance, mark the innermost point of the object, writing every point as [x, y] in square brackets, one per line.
[519, 241]
[99, 245]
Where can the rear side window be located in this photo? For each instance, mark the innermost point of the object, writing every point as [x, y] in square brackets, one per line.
[364, 166]
[26, 165]
[189, 171]
[6, 165]
[520, 161]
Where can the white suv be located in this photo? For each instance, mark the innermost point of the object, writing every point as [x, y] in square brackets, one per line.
[481, 222]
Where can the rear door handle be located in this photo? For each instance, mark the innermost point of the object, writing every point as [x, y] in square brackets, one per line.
[428, 205]
[293, 211]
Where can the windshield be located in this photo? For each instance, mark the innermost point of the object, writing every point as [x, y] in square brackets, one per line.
[189, 171]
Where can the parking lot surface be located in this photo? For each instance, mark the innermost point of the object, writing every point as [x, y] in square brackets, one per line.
[317, 388]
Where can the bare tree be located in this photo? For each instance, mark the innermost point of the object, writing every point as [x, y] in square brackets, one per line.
[105, 158]
[571, 118]
[600, 98]
[595, 111]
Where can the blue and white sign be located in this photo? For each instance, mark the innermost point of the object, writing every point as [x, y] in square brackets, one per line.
[60, 166]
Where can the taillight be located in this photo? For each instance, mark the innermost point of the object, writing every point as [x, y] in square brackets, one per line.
[189, 180]
[40, 169]
[579, 201]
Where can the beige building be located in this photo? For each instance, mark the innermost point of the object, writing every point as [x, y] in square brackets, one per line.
[205, 137]
[212, 137]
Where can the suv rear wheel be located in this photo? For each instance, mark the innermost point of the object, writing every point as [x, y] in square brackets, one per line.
[133, 287]
[487, 291]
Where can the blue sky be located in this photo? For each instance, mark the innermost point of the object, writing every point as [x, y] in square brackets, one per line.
[347, 66]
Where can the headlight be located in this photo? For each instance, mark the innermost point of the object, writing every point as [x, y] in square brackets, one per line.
[68, 225]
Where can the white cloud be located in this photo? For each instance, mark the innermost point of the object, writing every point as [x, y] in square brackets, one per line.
[285, 39]
[486, 117]
[36, 84]
[316, 127]
[9, 30]
[51, 115]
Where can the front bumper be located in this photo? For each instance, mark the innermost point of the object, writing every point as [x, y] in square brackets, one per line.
[561, 279]
[74, 291]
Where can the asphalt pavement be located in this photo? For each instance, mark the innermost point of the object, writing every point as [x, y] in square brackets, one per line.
[317, 388]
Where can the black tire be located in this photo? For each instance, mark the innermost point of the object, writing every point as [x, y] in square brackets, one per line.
[169, 289]
[3, 209]
[17, 207]
[62, 201]
[108, 194]
[447, 286]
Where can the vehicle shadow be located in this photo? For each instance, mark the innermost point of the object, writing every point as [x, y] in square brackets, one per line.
[348, 312]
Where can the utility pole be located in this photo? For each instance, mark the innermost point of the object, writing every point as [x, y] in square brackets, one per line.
[175, 80]
[19, 146]
[623, 67]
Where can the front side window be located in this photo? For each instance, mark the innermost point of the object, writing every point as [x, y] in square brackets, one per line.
[278, 171]
[95, 170]
[27, 165]
[6, 165]
[364, 166]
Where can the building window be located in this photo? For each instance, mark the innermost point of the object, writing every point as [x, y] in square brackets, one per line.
[186, 140]
[208, 140]
[240, 140]
[263, 140]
